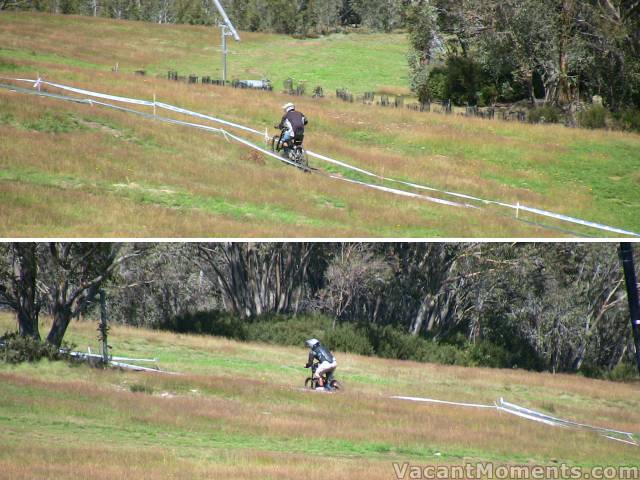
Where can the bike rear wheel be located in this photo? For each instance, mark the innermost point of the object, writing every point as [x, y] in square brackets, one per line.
[337, 386]
[299, 156]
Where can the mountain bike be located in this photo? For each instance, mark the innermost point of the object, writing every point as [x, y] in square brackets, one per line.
[313, 383]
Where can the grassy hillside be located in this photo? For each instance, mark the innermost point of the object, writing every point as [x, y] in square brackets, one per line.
[232, 413]
[361, 63]
[72, 170]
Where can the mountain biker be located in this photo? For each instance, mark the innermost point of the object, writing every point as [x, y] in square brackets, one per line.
[327, 363]
[293, 122]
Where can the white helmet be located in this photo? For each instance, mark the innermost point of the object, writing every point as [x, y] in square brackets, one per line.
[288, 107]
[312, 342]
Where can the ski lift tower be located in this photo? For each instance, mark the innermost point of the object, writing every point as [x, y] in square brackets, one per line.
[228, 30]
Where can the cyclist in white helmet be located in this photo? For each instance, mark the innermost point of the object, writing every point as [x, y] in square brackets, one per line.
[293, 123]
[326, 360]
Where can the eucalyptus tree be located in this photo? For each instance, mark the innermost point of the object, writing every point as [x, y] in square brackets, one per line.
[355, 283]
[255, 279]
[71, 275]
[611, 29]
[164, 283]
[18, 285]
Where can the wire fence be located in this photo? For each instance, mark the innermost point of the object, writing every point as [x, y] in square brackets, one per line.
[507, 113]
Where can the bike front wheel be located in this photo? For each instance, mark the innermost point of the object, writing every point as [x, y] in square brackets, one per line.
[309, 383]
[275, 143]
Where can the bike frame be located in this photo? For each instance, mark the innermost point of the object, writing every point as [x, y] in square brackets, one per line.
[279, 146]
[327, 377]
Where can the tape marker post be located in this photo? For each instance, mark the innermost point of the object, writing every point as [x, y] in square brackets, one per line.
[518, 208]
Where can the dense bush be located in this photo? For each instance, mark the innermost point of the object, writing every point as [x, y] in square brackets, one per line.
[594, 117]
[461, 80]
[487, 354]
[217, 323]
[546, 114]
[502, 347]
[382, 341]
[390, 342]
[348, 338]
[464, 80]
[282, 330]
[17, 349]
[436, 87]
[623, 372]
[628, 119]
[488, 95]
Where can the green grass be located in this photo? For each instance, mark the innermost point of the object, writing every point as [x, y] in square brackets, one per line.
[230, 403]
[358, 62]
[40, 58]
[164, 196]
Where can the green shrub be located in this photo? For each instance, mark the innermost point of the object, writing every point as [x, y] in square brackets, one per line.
[593, 118]
[349, 338]
[17, 349]
[488, 95]
[441, 353]
[281, 330]
[437, 85]
[464, 80]
[623, 372]
[390, 342]
[210, 323]
[498, 350]
[487, 354]
[628, 119]
[546, 114]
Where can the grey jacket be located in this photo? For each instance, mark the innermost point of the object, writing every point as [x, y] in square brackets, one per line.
[320, 353]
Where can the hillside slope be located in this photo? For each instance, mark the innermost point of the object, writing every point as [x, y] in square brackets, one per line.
[236, 411]
[75, 170]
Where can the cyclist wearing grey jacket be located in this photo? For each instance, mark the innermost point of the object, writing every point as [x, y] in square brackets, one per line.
[326, 360]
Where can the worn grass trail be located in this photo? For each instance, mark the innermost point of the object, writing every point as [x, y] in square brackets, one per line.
[88, 171]
[234, 413]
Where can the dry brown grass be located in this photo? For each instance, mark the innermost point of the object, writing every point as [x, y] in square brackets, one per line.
[495, 160]
[231, 421]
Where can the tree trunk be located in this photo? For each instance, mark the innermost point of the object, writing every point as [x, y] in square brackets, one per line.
[61, 320]
[28, 324]
[420, 316]
[563, 94]
[25, 290]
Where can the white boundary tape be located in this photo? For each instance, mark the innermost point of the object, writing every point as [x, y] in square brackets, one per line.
[228, 135]
[528, 414]
[444, 402]
[517, 208]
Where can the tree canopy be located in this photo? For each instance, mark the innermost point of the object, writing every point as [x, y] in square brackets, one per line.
[559, 307]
